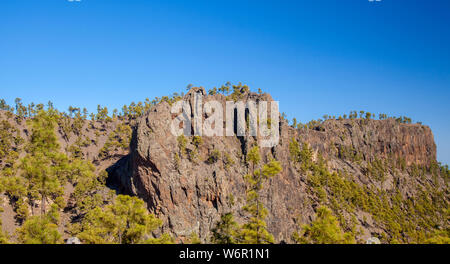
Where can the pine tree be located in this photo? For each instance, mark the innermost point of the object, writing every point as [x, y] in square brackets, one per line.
[301, 155]
[43, 138]
[3, 105]
[325, 229]
[294, 122]
[361, 113]
[226, 230]
[212, 91]
[126, 221]
[39, 229]
[71, 109]
[41, 179]
[43, 164]
[255, 230]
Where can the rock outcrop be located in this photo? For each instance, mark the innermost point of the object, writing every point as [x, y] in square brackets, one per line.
[189, 193]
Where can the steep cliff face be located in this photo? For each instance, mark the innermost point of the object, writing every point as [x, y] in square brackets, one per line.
[376, 139]
[190, 193]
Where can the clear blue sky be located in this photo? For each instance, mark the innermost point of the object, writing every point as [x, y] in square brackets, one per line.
[315, 57]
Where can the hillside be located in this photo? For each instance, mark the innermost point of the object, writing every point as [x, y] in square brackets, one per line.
[378, 178]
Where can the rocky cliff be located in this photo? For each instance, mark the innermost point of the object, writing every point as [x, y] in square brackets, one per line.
[387, 163]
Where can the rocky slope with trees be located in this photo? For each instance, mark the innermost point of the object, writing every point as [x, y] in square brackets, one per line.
[337, 180]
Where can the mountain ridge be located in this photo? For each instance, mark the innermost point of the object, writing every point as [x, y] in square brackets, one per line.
[373, 174]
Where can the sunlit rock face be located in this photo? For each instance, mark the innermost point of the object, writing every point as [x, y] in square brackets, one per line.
[190, 194]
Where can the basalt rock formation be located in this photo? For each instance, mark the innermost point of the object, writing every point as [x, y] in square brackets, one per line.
[190, 193]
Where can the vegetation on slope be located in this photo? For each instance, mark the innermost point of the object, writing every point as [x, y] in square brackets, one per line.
[405, 220]
[36, 170]
[35, 186]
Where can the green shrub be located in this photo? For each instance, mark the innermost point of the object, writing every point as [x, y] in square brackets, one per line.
[213, 157]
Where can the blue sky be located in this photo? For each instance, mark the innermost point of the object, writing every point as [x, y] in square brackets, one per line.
[315, 57]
